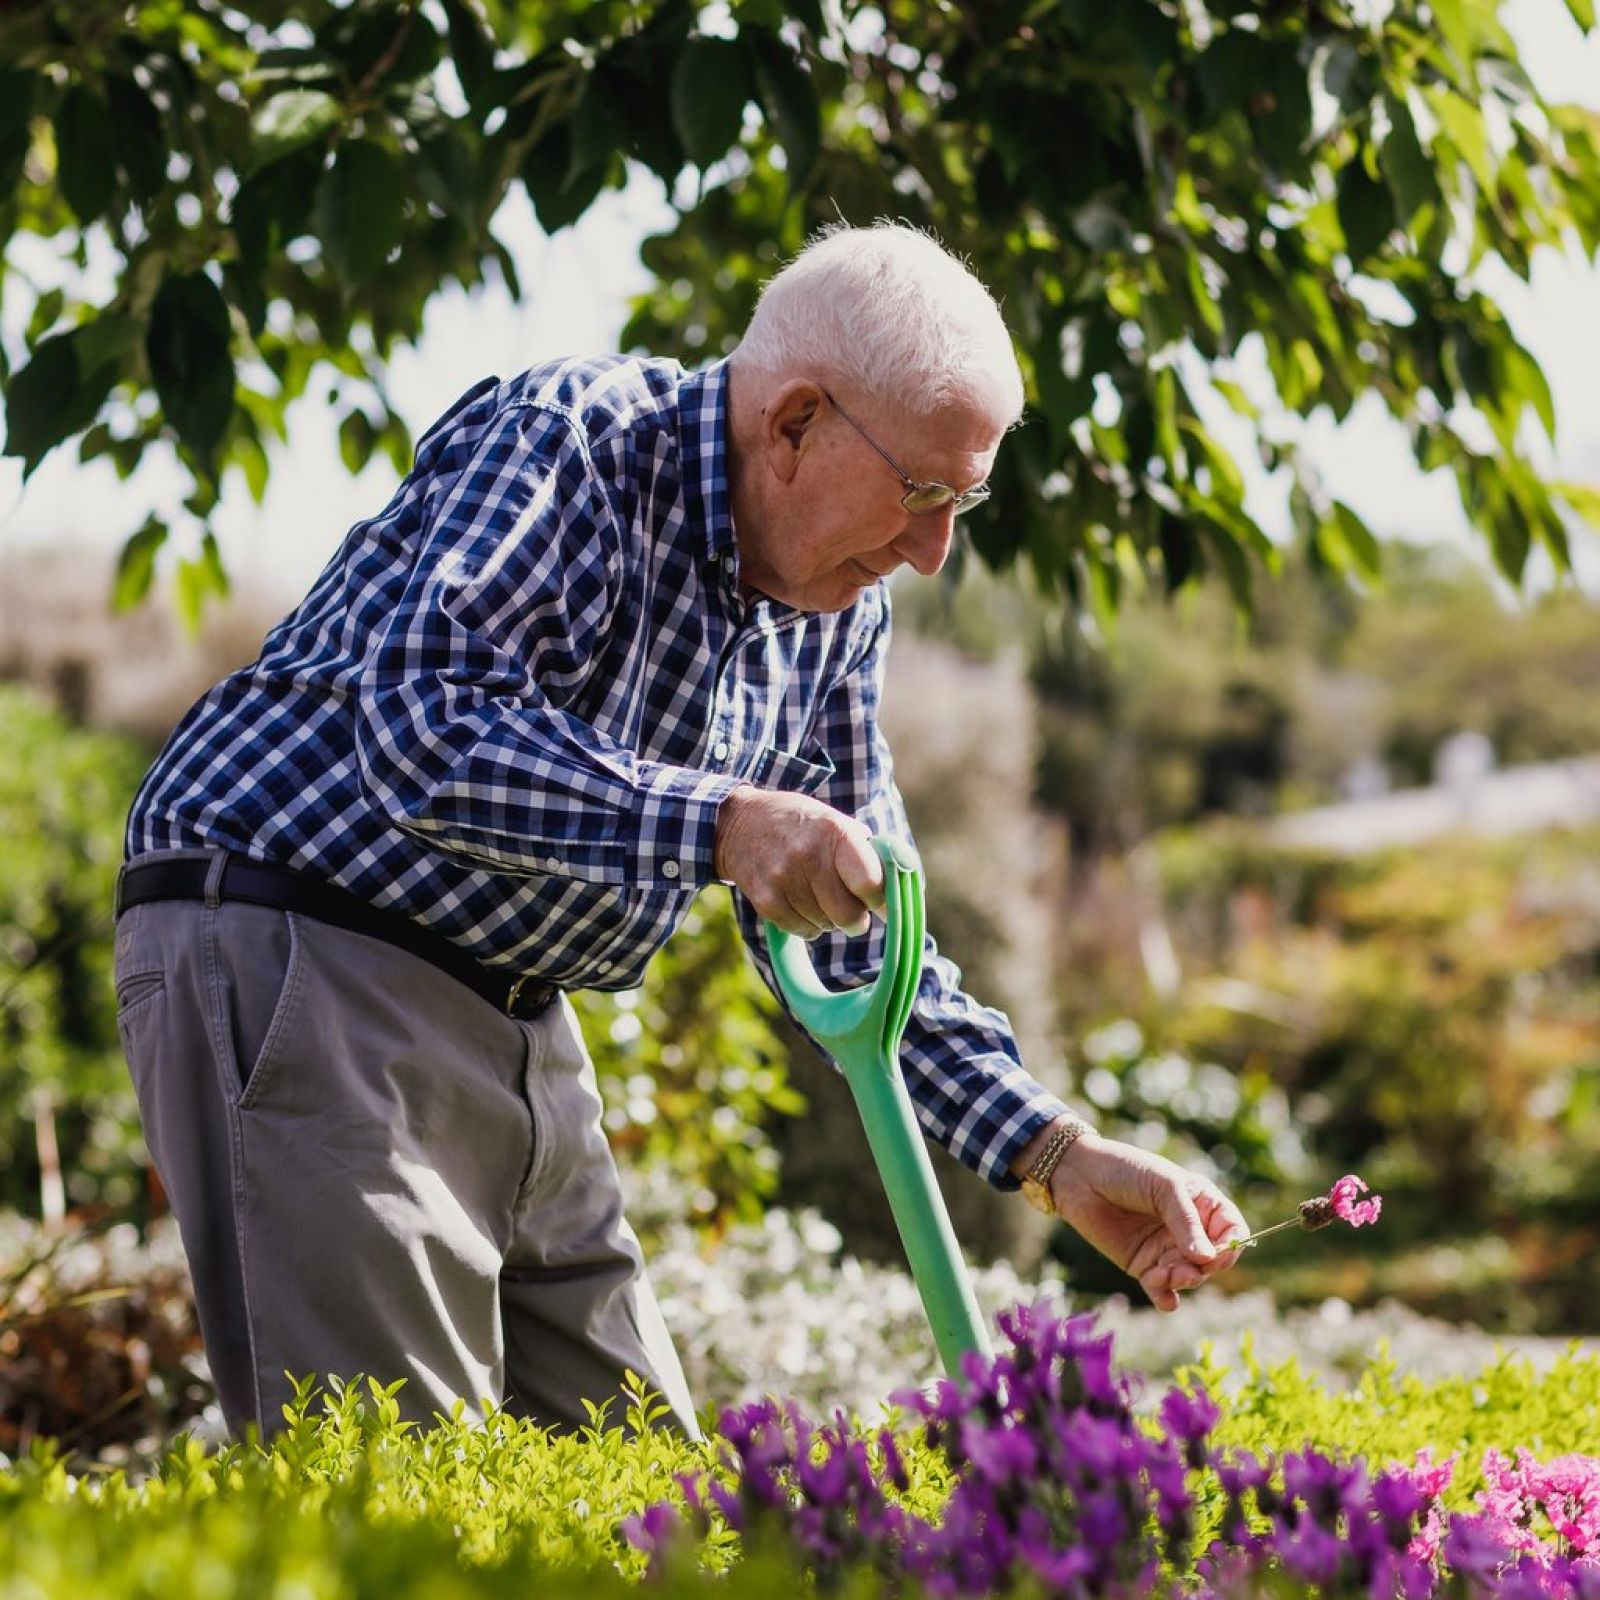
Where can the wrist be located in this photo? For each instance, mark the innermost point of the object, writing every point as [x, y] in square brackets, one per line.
[728, 815]
[1027, 1157]
[1044, 1158]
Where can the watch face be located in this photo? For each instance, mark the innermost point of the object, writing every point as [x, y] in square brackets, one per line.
[1038, 1196]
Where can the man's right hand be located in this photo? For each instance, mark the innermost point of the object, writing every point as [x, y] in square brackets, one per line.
[801, 864]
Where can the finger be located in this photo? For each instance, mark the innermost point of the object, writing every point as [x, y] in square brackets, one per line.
[802, 916]
[859, 868]
[1183, 1223]
[1162, 1296]
[1223, 1220]
[841, 908]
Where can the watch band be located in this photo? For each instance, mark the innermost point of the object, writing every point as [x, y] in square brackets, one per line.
[1056, 1146]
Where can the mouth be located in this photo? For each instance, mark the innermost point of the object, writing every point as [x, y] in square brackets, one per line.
[868, 576]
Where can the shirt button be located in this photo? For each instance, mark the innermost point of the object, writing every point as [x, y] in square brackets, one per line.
[602, 966]
[720, 750]
[729, 563]
[669, 869]
[551, 864]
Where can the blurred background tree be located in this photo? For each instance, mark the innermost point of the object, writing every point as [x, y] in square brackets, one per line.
[277, 192]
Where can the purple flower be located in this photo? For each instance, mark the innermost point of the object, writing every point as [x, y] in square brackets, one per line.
[1311, 1552]
[1471, 1549]
[999, 1453]
[825, 1482]
[1397, 1499]
[1189, 1416]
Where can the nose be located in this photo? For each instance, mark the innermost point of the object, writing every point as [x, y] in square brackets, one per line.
[926, 541]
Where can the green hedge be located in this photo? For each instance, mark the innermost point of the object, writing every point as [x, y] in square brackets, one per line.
[348, 1501]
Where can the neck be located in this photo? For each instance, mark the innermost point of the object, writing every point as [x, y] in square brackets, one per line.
[744, 410]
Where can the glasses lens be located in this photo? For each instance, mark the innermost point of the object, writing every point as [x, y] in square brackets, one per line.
[928, 497]
[974, 496]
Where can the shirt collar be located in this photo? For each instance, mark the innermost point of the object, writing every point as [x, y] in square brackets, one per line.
[703, 457]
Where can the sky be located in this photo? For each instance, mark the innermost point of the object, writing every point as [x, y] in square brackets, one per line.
[577, 286]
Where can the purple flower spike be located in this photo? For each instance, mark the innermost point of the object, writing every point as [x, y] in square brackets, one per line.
[1471, 1549]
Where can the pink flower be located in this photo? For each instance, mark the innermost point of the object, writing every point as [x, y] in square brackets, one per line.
[1345, 1205]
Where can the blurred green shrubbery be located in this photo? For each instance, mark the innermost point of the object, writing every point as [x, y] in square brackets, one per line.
[693, 1070]
[1433, 1016]
[64, 795]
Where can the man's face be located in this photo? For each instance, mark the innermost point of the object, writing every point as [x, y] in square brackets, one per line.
[834, 521]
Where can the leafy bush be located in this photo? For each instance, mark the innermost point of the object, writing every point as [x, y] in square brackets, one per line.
[693, 1070]
[1431, 1013]
[64, 794]
[351, 1501]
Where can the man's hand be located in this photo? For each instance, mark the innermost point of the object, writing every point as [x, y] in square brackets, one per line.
[800, 863]
[1158, 1222]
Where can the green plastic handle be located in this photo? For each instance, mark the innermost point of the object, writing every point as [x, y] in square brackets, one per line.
[861, 1029]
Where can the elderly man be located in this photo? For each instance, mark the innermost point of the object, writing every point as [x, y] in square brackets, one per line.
[619, 635]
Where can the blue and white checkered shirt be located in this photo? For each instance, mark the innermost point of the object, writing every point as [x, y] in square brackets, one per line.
[512, 703]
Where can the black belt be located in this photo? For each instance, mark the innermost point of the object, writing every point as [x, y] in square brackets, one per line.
[257, 883]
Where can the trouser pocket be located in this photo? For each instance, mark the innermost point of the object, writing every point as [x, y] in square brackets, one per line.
[257, 967]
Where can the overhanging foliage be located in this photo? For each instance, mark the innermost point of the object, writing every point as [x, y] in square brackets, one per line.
[282, 188]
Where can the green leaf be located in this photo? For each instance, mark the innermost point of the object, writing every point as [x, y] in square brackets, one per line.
[136, 564]
[1227, 484]
[1354, 540]
[356, 436]
[1236, 397]
[359, 210]
[273, 206]
[291, 120]
[86, 153]
[1462, 123]
[1366, 212]
[16, 111]
[1583, 498]
[188, 346]
[108, 338]
[141, 144]
[55, 396]
[196, 579]
[1181, 555]
[446, 173]
[1407, 170]
[595, 129]
[1582, 13]
[789, 100]
[710, 85]
[472, 51]
[1523, 376]
[544, 174]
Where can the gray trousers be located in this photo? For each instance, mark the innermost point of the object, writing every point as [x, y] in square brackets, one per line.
[376, 1172]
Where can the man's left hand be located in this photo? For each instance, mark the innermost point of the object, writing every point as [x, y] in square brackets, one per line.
[1157, 1221]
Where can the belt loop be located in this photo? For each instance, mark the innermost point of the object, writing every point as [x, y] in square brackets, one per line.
[219, 865]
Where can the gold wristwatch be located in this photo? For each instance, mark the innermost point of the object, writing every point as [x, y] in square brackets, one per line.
[1036, 1184]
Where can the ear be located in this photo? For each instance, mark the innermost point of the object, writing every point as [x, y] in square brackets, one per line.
[787, 425]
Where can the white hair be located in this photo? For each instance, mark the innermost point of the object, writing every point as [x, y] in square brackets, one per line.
[890, 311]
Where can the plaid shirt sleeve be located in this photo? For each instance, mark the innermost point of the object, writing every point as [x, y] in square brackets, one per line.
[960, 1059]
[461, 740]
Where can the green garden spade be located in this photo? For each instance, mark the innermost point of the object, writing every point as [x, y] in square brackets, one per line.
[861, 1030]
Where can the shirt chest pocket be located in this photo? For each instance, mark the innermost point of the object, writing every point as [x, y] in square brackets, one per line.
[800, 772]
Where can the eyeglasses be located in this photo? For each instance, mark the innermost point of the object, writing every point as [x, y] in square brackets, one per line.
[919, 496]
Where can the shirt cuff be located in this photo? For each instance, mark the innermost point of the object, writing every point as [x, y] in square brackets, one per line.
[1031, 1114]
[674, 833]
